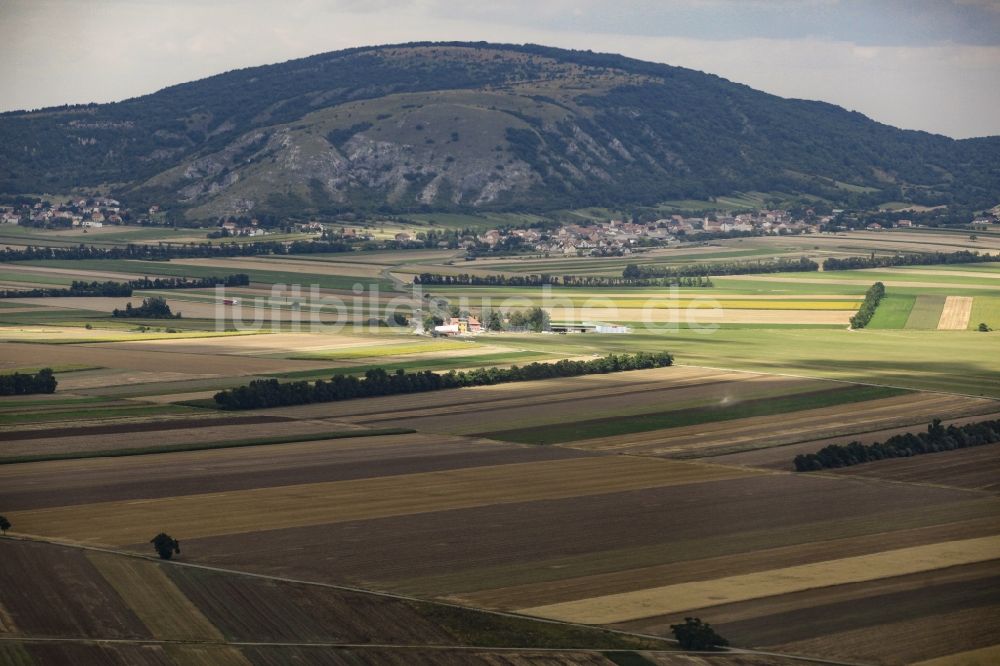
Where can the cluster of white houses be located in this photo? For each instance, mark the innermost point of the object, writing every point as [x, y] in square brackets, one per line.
[616, 237]
[80, 212]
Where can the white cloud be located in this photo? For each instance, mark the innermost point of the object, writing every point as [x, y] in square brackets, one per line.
[54, 52]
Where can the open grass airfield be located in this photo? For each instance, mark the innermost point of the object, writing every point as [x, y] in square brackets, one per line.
[514, 523]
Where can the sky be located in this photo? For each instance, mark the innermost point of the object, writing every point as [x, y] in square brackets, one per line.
[932, 65]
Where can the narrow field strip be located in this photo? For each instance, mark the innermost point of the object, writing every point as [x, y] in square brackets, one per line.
[955, 314]
[700, 594]
[202, 446]
[151, 595]
[761, 432]
[926, 312]
[613, 426]
[302, 505]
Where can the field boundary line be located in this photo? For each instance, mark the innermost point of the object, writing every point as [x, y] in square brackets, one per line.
[406, 598]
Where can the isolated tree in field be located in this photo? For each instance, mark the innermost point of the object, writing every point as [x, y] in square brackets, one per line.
[697, 635]
[4, 524]
[165, 545]
[984, 328]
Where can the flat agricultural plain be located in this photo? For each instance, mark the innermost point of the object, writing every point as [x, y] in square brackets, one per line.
[626, 500]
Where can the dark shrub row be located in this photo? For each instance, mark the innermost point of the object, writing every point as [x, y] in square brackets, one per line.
[867, 310]
[635, 271]
[112, 288]
[937, 438]
[20, 383]
[376, 382]
[165, 251]
[925, 259]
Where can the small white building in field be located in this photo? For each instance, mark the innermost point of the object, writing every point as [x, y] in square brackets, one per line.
[612, 328]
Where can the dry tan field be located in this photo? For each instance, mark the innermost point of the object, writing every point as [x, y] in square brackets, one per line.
[302, 505]
[683, 597]
[863, 282]
[956, 313]
[706, 312]
[766, 432]
[481, 408]
[75, 273]
[145, 433]
[331, 267]
[857, 242]
[119, 356]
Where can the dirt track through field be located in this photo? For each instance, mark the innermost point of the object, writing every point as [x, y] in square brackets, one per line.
[956, 313]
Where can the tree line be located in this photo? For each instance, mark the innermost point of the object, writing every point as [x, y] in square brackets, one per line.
[113, 288]
[867, 310]
[937, 438]
[23, 383]
[154, 307]
[164, 251]
[378, 382]
[635, 271]
[539, 280]
[923, 259]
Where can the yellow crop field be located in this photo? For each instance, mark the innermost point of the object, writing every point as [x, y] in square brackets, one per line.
[956, 313]
[681, 597]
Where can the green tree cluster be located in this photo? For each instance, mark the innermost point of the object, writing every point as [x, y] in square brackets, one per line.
[865, 313]
[693, 634]
[377, 381]
[153, 307]
[937, 438]
[21, 383]
[921, 259]
[111, 288]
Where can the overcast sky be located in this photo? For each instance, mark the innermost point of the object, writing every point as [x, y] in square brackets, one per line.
[920, 64]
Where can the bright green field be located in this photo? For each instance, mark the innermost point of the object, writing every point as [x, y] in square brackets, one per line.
[985, 310]
[892, 312]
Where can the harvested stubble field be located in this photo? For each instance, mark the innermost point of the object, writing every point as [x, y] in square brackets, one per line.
[977, 468]
[134, 603]
[683, 597]
[955, 314]
[123, 357]
[199, 472]
[326, 502]
[290, 265]
[199, 426]
[705, 312]
[556, 401]
[823, 425]
[471, 520]
[897, 620]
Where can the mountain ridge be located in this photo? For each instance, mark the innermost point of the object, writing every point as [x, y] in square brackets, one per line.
[471, 126]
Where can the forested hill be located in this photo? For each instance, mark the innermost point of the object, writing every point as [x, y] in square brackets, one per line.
[461, 125]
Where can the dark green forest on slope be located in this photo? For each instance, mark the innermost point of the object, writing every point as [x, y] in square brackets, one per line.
[573, 128]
